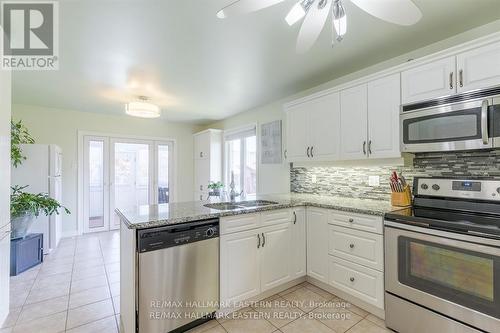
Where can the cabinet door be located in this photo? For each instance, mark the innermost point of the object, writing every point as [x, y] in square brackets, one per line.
[428, 81]
[202, 174]
[298, 243]
[383, 117]
[240, 266]
[297, 140]
[479, 68]
[353, 123]
[317, 244]
[275, 256]
[324, 126]
[202, 145]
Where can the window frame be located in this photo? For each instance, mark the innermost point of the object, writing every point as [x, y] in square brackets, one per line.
[240, 133]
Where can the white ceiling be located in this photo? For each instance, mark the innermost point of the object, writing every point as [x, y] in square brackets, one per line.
[200, 68]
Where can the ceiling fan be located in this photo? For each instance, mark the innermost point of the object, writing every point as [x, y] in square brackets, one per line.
[316, 12]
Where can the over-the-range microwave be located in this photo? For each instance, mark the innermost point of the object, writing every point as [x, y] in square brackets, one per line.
[466, 121]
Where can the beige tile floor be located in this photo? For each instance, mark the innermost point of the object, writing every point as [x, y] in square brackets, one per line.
[77, 290]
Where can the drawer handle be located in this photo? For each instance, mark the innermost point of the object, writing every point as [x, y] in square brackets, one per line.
[258, 237]
[351, 220]
[294, 218]
[351, 279]
[351, 246]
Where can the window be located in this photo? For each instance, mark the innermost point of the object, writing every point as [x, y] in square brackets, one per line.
[241, 159]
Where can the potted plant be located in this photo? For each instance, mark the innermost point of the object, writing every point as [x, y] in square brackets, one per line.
[215, 188]
[25, 207]
[18, 135]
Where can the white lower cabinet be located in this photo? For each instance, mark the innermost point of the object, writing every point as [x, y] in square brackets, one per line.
[257, 253]
[275, 258]
[317, 243]
[239, 266]
[359, 281]
[299, 261]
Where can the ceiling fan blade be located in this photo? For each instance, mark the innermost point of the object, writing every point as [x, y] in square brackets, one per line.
[312, 26]
[402, 12]
[245, 6]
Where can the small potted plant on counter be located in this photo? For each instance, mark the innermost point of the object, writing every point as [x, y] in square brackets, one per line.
[25, 207]
[215, 189]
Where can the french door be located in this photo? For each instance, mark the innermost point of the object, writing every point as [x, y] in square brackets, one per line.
[123, 173]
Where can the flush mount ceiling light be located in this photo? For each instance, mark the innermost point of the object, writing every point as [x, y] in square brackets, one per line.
[142, 108]
[316, 12]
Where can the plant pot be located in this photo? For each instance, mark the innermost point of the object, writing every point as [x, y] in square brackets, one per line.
[20, 225]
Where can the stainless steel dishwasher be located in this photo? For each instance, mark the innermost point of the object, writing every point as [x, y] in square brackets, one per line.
[178, 276]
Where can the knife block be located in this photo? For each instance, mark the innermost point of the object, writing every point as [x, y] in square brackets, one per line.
[401, 199]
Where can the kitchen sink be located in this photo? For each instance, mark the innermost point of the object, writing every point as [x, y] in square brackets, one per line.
[256, 203]
[223, 206]
[240, 205]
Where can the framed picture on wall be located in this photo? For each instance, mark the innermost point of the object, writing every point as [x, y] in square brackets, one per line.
[271, 146]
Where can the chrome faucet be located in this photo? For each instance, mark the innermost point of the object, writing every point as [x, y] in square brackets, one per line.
[232, 192]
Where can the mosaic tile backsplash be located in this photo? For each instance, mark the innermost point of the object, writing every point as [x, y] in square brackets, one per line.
[353, 181]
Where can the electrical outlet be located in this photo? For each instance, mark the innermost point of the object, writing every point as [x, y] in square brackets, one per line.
[314, 179]
[374, 180]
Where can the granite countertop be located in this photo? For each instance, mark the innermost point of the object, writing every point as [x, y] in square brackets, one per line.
[148, 216]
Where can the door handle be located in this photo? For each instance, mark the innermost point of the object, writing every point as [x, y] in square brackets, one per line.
[484, 121]
[370, 147]
[312, 151]
[308, 151]
[294, 218]
[258, 237]
[461, 77]
[451, 80]
[263, 240]
[364, 147]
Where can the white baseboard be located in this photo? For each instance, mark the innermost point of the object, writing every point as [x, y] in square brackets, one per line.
[70, 233]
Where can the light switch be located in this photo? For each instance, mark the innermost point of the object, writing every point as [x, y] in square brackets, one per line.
[374, 180]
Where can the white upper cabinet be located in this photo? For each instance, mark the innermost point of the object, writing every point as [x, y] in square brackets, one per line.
[383, 117]
[207, 161]
[324, 127]
[313, 129]
[297, 138]
[432, 80]
[353, 123]
[479, 68]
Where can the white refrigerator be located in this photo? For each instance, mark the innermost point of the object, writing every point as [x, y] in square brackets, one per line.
[42, 171]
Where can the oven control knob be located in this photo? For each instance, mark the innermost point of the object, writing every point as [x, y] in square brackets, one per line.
[210, 232]
[436, 187]
[424, 186]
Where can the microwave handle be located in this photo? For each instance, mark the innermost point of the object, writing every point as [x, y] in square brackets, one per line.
[484, 121]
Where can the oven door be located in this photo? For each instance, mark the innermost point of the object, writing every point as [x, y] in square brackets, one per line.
[453, 274]
[460, 126]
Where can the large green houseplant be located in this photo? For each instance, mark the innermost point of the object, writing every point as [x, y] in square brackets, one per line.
[25, 206]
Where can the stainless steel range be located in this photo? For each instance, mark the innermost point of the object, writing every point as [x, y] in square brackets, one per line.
[442, 258]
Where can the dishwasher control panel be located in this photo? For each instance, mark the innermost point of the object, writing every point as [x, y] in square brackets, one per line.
[164, 237]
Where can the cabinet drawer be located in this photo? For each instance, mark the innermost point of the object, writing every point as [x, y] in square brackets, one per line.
[361, 282]
[358, 221]
[273, 217]
[364, 248]
[237, 223]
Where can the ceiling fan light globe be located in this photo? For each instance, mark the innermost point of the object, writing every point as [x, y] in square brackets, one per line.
[221, 14]
[340, 27]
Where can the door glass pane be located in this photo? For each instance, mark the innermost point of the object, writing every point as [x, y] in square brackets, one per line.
[442, 128]
[461, 276]
[131, 183]
[96, 184]
[250, 165]
[234, 163]
[163, 186]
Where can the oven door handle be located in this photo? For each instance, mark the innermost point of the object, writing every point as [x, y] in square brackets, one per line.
[484, 121]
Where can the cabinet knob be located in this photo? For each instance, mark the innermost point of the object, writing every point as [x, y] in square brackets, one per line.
[351, 246]
[201, 154]
[351, 220]
[351, 279]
